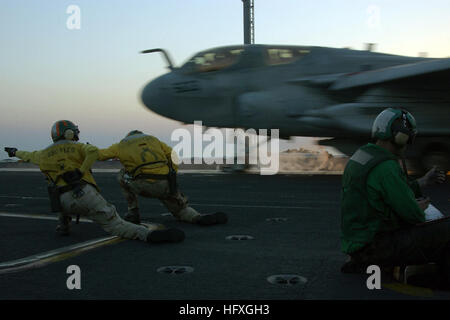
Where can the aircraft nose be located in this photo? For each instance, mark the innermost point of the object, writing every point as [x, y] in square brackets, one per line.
[155, 96]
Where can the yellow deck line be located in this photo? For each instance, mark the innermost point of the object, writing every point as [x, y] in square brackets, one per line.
[42, 259]
[45, 258]
[409, 289]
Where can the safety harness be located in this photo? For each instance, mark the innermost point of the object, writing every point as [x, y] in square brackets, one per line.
[148, 175]
[171, 177]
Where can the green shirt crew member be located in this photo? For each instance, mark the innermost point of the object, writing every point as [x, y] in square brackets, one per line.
[382, 211]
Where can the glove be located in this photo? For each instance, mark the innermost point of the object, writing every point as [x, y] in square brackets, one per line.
[11, 151]
[432, 176]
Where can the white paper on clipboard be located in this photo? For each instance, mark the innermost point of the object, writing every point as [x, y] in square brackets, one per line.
[432, 213]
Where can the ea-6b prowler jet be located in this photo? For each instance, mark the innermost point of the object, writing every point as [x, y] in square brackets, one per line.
[308, 91]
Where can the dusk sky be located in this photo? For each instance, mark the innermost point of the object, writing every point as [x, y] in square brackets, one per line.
[94, 75]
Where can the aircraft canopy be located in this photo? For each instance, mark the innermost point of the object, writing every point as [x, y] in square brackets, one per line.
[213, 59]
[220, 58]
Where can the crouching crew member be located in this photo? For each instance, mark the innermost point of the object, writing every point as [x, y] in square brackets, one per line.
[73, 191]
[150, 172]
[383, 220]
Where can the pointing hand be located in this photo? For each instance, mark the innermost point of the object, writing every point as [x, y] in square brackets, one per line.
[11, 151]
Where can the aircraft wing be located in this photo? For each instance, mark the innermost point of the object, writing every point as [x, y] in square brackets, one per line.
[420, 87]
[392, 73]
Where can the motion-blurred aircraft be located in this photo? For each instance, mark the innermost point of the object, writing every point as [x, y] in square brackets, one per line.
[308, 91]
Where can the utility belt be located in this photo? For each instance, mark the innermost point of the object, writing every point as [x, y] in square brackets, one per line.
[74, 183]
[71, 187]
[171, 177]
[144, 176]
[54, 193]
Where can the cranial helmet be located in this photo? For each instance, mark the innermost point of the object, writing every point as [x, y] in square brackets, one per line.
[131, 133]
[64, 129]
[396, 125]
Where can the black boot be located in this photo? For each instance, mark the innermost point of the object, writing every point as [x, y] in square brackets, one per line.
[133, 216]
[211, 219]
[63, 228]
[166, 235]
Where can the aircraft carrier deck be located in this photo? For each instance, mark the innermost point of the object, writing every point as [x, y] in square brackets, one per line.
[292, 222]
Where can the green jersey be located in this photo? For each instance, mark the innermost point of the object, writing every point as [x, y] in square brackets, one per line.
[376, 197]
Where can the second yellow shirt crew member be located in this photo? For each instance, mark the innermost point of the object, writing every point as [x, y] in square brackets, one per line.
[150, 172]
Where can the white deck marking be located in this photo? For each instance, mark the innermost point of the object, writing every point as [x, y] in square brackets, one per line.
[213, 171]
[218, 204]
[34, 216]
[251, 206]
[199, 171]
[21, 197]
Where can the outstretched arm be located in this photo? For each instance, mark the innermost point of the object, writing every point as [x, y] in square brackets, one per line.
[90, 153]
[26, 156]
[109, 153]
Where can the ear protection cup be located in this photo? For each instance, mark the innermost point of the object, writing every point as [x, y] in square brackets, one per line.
[401, 139]
[396, 125]
[402, 131]
[64, 129]
[69, 134]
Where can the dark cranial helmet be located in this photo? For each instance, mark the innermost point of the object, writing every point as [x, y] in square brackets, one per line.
[396, 125]
[132, 133]
[64, 129]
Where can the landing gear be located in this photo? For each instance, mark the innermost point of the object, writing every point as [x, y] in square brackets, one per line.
[250, 154]
[236, 168]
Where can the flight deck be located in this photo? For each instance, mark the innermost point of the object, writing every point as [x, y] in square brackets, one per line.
[281, 243]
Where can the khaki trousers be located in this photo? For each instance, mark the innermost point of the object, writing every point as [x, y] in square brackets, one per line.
[177, 204]
[94, 207]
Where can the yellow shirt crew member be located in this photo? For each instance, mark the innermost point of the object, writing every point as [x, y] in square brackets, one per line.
[141, 154]
[147, 173]
[63, 156]
[66, 164]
